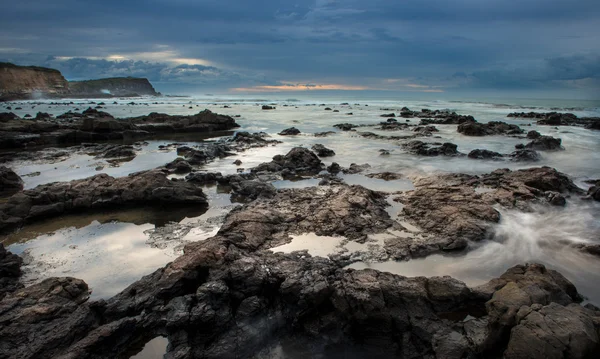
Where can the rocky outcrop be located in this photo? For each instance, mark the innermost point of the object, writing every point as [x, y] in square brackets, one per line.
[114, 86]
[323, 151]
[560, 119]
[10, 182]
[298, 161]
[92, 125]
[480, 154]
[292, 131]
[10, 271]
[451, 212]
[487, 129]
[431, 149]
[100, 191]
[545, 143]
[23, 82]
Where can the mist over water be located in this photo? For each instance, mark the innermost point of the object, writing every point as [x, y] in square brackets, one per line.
[544, 235]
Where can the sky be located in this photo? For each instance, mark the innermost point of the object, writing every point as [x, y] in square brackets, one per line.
[545, 48]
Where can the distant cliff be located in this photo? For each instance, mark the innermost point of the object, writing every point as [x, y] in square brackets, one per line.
[116, 86]
[20, 82]
[29, 82]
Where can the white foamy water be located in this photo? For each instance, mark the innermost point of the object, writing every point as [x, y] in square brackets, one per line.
[544, 236]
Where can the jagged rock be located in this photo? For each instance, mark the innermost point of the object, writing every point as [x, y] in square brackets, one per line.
[484, 154]
[525, 155]
[425, 130]
[290, 131]
[10, 182]
[99, 191]
[545, 143]
[532, 135]
[334, 168]
[323, 151]
[345, 126]
[253, 189]
[202, 178]
[356, 168]
[490, 128]
[10, 271]
[179, 165]
[8, 116]
[426, 149]
[298, 160]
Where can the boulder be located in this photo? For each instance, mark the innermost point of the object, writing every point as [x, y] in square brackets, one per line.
[323, 151]
[10, 182]
[290, 131]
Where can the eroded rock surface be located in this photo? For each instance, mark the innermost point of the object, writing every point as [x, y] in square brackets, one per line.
[431, 149]
[298, 161]
[100, 191]
[490, 128]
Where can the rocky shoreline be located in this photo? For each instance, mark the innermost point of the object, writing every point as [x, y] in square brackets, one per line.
[233, 295]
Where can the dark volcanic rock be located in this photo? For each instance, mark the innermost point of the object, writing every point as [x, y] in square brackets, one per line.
[8, 116]
[484, 154]
[545, 143]
[323, 151]
[10, 182]
[299, 160]
[100, 191]
[10, 271]
[290, 131]
[431, 149]
[525, 155]
[452, 213]
[179, 165]
[560, 119]
[267, 107]
[532, 135]
[490, 128]
[202, 178]
[345, 126]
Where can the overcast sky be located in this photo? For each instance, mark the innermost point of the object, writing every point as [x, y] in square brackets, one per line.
[433, 46]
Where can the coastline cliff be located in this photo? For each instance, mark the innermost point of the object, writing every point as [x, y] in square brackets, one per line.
[31, 82]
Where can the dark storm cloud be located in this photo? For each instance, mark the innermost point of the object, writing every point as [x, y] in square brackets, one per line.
[494, 43]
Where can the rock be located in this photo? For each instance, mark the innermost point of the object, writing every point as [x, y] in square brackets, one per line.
[490, 128]
[96, 192]
[298, 160]
[179, 165]
[345, 126]
[327, 109]
[426, 149]
[388, 115]
[355, 168]
[290, 131]
[253, 189]
[525, 156]
[560, 119]
[593, 192]
[10, 271]
[532, 135]
[324, 134]
[555, 198]
[202, 178]
[10, 182]
[322, 151]
[386, 176]
[237, 162]
[334, 168]
[545, 143]
[267, 107]
[484, 154]
[425, 130]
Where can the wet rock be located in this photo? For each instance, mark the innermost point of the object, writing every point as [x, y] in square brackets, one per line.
[386, 176]
[290, 131]
[179, 165]
[244, 140]
[356, 168]
[594, 191]
[267, 107]
[388, 115]
[484, 154]
[298, 160]
[99, 191]
[10, 271]
[323, 151]
[345, 126]
[253, 189]
[425, 130]
[202, 178]
[327, 108]
[556, 199]
[545, 143]
[42, 116]
[113, 151]
[532, 135]
[324, 134]
[431, 149]
[237, 162]
[451, 213]
[8, 116]
[560, 119]
[10, 182]
[206, 153]
[334, 168]
[487, 129]
[525, 155]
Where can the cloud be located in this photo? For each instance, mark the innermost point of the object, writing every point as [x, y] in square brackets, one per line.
[494, 44]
